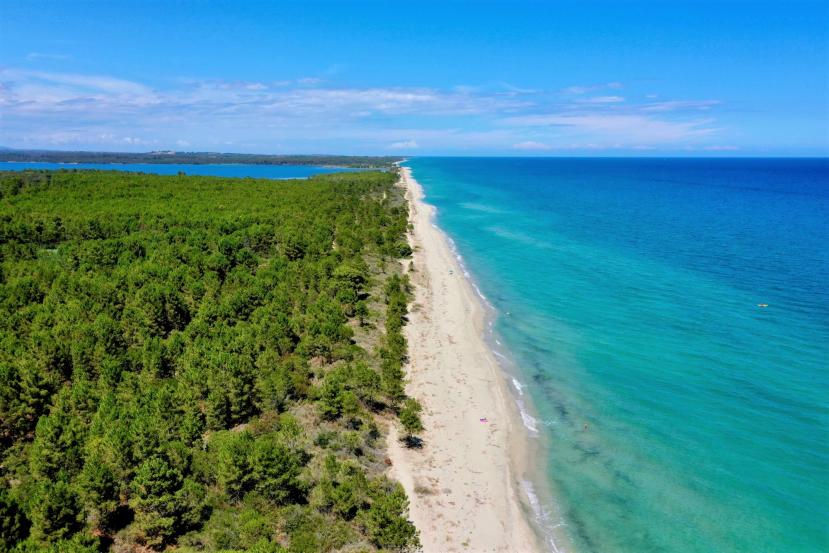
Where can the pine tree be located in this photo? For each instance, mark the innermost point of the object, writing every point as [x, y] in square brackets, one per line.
[55, 510]
[14, 526]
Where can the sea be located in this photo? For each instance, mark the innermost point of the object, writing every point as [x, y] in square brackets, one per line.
[217, 170]
[666, 323]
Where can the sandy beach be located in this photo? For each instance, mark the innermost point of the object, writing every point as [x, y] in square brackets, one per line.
[463, 484]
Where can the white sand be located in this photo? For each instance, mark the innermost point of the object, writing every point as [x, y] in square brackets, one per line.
[462, 484]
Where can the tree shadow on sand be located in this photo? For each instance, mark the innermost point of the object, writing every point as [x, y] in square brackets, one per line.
[412, 442]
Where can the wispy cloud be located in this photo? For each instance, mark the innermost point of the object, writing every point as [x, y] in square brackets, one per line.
[602, 100]
[584, 89]
[41, 108]
[404, 145]
[531, 145]
[77, 81]
[33, 91]
[719, 148]
[517, 90]
[677, 105]
[634, 129]
[37, 56]
[69, 138]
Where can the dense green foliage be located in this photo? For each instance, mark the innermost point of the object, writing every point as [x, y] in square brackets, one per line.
[201, 362]
[194, 158]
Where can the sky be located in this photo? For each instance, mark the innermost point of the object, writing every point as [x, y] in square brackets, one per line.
[623, 78]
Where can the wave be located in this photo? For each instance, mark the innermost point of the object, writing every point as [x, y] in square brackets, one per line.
[542, 513]
[530, 422]
[543, 517]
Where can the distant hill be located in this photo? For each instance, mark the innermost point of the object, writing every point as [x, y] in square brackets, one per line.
[55, 156]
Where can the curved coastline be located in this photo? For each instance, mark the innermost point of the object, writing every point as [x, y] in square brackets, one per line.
[470, 486]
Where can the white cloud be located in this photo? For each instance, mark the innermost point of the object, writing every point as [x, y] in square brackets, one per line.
[88, 111]
[34, 93]
[404, 145]
[531, 145]
[41, 93]
[632, 128]
[719, 148]
[81, 82]
[677, 105]
[516, 90]
[579, 89]
[66, 138]
[602, 100]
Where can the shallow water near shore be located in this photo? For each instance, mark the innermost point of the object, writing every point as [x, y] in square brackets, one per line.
[675, 413]
[532, 485]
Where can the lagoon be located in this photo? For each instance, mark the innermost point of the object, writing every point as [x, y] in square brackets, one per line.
[213, 170]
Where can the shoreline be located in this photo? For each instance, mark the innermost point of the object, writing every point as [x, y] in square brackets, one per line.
[467, 485]
[536, 489]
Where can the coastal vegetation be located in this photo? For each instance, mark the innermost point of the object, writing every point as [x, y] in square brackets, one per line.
[196, 158]
[201, 363]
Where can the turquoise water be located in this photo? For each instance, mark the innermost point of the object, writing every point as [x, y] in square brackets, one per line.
[675, 414]
[207, 169]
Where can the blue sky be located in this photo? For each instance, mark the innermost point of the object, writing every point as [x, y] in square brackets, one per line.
[417, 78]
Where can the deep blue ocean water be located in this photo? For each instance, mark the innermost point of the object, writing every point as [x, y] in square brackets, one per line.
[215, 170]
[675, 413]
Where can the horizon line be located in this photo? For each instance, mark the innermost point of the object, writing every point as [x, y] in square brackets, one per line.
[731, 155]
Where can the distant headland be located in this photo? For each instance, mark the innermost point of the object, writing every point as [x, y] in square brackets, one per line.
[199, 158]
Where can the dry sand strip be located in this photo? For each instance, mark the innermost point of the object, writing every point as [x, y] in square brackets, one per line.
[462, 484]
